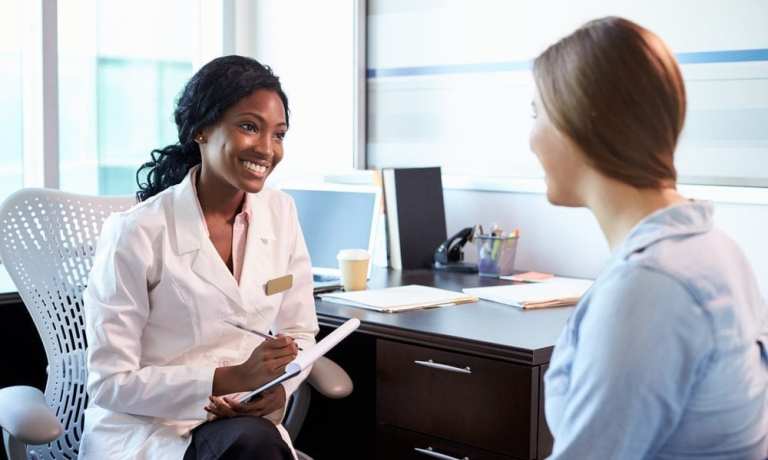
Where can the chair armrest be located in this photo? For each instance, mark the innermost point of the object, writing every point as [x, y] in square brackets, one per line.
[329, 379]
[25, 415]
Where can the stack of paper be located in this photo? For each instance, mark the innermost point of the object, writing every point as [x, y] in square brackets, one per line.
[555, 292]
[399, 298]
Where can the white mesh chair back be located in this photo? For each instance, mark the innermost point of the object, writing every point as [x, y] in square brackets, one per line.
[47, 243]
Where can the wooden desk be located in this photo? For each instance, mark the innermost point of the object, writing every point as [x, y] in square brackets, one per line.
[23, 354]
[494, 412]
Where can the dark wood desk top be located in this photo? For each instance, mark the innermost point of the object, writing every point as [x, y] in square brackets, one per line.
[484, 328]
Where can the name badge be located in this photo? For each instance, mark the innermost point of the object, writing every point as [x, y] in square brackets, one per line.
[280, 284]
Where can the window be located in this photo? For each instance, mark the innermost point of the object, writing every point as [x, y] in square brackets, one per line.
[121, 67]
[11, 90]
[449, 82]
[135, 100]
[310, 47]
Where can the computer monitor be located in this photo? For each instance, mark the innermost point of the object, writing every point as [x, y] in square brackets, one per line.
[335, 217]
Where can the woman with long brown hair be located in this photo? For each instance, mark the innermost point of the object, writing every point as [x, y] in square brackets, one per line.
[665, 357]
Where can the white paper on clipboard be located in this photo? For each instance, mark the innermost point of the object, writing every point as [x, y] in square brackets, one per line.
[306, 358]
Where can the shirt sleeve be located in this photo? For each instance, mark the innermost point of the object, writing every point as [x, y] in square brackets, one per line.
[297, 317]
[640, 347]
[116, 304]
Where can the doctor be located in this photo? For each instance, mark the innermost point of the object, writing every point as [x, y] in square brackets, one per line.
[207, 236]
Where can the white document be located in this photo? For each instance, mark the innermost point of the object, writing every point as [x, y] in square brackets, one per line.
[307, 357]
[394, 299]
[555, 292]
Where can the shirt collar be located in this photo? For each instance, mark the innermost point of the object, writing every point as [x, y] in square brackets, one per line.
[190, 226]
[684, 219]
[245, 210]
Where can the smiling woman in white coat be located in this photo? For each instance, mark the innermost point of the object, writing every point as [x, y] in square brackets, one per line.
[163, 365]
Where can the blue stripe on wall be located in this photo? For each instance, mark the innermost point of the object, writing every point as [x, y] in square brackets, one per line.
[714, 57]
[449, 69]
[701, 57]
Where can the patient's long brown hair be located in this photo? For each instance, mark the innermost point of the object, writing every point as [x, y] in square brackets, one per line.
[616, 90]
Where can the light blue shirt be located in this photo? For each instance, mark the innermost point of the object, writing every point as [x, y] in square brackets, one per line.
[665, 357]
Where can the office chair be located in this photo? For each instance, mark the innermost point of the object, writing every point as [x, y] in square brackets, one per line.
[47, 243]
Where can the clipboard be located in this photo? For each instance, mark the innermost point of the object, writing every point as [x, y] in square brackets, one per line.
[305, 359]
[255, 394]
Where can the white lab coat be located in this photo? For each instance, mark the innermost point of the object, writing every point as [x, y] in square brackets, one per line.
[154, 306]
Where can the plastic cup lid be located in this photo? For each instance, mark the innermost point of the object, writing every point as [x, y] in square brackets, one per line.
[353, 254]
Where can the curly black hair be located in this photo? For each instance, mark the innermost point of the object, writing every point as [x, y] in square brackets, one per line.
[216, 87]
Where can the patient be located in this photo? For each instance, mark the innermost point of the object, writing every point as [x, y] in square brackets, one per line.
[665, 357]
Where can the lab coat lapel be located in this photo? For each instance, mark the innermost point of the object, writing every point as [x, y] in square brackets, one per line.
[259, 259]
[192, 235]
[209, 267]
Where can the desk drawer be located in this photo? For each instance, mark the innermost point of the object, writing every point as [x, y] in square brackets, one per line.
[394, 443]
[482, 402]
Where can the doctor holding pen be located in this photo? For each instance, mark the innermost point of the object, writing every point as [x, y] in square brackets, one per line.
[199, 250]
[667, 355]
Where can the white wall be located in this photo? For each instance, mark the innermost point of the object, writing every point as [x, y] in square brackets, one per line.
[569, 242]
[451, 77]
[310, 46]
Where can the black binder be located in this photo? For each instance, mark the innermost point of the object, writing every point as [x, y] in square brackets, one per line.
[415, 215]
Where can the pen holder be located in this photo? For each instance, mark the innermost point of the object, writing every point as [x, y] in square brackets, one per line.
[496, 255]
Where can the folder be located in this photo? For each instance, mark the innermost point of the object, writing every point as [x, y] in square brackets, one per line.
[401, 298]
[306, 358]
[555, 292]
[415, 210]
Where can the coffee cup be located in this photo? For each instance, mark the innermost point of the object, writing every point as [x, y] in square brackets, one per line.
[353, 264]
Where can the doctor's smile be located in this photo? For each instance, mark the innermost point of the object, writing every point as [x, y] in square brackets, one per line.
[247, 144]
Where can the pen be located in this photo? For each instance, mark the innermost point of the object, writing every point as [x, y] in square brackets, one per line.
[496, 232]
[253, 331]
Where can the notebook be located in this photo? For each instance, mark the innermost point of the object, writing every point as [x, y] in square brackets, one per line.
[306, 358]
[401, 298]
[555, 292]
[335, 217]
[415, 215]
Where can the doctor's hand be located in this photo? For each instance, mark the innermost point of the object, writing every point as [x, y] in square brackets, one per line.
[268, 360]
[223, 406]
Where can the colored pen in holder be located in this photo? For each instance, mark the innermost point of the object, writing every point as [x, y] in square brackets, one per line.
[496, 254]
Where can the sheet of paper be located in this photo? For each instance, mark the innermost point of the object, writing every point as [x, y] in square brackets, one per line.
[545, 292]
[560, 280]
[399, 298]
[529, 277]
[307, 357]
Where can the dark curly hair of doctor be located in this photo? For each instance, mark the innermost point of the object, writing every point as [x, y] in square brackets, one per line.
[216, 87]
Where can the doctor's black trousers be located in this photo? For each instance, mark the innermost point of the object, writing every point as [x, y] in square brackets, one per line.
[235, 438]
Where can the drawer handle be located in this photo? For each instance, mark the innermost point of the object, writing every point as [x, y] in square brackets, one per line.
[444, 367]
[431, 453]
